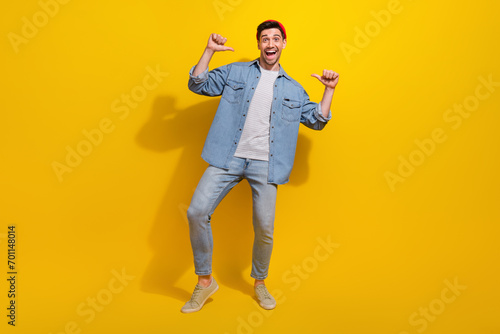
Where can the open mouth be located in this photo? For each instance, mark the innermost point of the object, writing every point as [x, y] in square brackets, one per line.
[271, 53]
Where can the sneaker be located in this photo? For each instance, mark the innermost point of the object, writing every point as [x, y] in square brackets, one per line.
[199, 297]
[266, 301]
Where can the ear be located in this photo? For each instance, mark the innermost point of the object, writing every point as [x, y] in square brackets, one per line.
[284, 43]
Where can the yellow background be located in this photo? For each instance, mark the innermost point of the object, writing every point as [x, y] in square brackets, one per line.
[123, 207]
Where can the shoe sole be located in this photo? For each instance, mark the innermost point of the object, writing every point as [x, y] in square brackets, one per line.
[203, 303]
[267, 307]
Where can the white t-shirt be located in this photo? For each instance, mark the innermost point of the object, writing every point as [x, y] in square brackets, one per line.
[254, 142]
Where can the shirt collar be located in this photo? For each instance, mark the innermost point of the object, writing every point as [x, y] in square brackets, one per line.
[281, 71]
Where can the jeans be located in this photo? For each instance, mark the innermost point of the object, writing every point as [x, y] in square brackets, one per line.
[214, 185]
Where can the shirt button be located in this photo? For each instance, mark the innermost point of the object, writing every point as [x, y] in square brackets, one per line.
[240, 129]
[272, 141]
[243, 114]
[252, 87]
[248, 100]
[275, 98]
[257, 77]
[271, 155]
[272, 127]
[275, 85]
[235, 143]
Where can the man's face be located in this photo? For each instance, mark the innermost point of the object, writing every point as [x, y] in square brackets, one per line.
[270, 44]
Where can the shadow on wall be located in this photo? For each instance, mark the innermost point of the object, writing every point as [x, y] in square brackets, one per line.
[170, 128]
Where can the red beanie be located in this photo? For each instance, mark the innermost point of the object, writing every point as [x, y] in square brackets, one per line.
[281, 26]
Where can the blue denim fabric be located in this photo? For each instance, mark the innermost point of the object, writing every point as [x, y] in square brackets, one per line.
[291, 106]
[214, 185]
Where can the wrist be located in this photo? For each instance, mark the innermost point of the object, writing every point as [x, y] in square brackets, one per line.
[209, 51]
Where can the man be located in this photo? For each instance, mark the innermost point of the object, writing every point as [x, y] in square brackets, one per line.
[253, 136]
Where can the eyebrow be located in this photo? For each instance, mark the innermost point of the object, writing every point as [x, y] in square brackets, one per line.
[273, 35]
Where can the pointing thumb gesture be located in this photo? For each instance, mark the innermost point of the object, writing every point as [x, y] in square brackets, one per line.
[329, 78]
[216, 43]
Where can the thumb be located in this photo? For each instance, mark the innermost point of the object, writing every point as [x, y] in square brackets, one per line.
[316, 76]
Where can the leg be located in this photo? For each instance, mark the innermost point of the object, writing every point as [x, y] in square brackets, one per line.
[205, 280]
[264, 204]
[212, 188]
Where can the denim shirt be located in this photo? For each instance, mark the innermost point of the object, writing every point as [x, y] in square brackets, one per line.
[236, 82]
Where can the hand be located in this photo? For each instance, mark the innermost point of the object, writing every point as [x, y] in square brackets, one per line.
[216, 43]
[329, 78]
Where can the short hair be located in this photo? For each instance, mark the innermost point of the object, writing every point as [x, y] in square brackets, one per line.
[269, 25]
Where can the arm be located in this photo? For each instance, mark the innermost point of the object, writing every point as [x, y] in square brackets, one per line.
[200, 80]
[312, 114]
[316, 115]
[330, 79]
[215, 43]
[326, 102]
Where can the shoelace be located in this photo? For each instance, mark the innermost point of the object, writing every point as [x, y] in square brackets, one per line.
[264, 291]
[196, 292]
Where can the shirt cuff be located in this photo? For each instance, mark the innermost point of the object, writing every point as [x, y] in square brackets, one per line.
[202, 77]
[319, 114]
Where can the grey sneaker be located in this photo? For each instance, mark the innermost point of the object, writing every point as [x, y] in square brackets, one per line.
[199, 297]
[266, 301]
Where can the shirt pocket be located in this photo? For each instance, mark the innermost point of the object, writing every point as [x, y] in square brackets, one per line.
[290, 110]
[233, 91]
